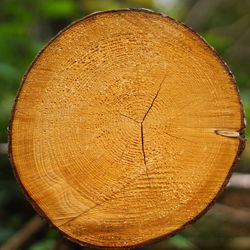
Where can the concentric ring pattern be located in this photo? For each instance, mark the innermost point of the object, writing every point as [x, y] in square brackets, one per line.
[113, 134]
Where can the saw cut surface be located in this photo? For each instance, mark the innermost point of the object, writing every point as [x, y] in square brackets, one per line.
[125, 128]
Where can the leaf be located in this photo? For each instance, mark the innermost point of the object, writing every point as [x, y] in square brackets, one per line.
[58, 9]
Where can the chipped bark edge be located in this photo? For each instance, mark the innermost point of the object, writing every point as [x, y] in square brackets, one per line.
[237, 157]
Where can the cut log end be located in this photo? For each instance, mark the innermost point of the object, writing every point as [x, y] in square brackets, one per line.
[125, 129]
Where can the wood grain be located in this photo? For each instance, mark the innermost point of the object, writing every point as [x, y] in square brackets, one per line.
[125, 128]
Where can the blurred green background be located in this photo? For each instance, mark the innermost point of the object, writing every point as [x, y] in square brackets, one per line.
[26, 26]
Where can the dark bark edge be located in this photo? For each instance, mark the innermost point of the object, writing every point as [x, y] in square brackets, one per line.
[239, 151]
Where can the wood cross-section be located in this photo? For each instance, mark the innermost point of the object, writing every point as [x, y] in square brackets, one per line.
[125, 129]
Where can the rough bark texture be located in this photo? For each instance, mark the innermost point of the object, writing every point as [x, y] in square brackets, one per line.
[125, 129]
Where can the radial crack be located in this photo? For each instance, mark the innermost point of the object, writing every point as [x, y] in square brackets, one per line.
[142, 145]
[142, 133]
[144, 155]
[176, 137]
[152, 103]
[132, 119]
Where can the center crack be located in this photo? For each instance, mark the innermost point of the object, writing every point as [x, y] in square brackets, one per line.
[142, 122]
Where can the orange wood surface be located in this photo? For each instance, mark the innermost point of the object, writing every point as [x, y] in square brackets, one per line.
[125, 128]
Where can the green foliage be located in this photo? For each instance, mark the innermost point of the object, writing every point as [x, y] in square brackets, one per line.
[46, 244]
[58, 8]
[219, 42]
[182, 243]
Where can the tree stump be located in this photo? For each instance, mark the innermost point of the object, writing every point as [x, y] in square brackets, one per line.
[125, 129]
